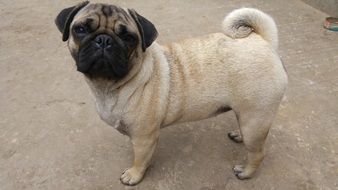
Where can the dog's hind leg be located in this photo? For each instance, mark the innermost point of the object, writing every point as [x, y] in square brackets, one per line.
[254, 126]
[235, 136]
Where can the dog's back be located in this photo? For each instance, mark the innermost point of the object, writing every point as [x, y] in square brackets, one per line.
[212, 69]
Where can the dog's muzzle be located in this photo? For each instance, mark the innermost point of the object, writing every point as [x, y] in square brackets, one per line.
[103, 56]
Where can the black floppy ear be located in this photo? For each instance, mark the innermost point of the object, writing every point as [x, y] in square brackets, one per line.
[146, 28]
[65, 18]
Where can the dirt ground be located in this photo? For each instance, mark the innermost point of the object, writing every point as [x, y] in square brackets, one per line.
[51, 137]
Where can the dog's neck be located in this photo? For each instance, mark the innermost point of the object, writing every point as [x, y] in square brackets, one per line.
[117, 93]
[114, 100]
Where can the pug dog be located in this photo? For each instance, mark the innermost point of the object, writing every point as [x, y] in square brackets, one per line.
[140, 86]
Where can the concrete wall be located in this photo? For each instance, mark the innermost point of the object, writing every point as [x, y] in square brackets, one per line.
[328, 6]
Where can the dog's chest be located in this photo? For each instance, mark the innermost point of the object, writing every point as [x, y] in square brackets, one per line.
[105, 109]
[110, 112]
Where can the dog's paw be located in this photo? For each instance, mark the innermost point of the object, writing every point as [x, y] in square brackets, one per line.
[241, 173]
[131, 176]
[235, 136]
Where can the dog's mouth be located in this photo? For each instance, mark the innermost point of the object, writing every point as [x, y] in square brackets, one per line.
[101, 66]
[99, 63]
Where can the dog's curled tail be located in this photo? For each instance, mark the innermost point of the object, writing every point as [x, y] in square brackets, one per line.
[241, 22]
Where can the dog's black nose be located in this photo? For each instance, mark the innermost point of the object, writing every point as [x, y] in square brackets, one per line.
[103, 41]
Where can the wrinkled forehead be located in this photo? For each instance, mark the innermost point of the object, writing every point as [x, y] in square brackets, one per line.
[103, 15]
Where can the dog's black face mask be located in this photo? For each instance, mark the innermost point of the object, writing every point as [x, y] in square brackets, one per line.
[105, 56]
[104, 49]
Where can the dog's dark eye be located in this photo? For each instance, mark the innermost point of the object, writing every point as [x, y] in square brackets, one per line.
[80, 29]
[127, 38]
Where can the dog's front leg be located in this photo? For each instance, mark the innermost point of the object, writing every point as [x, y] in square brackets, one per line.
[144, 144]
